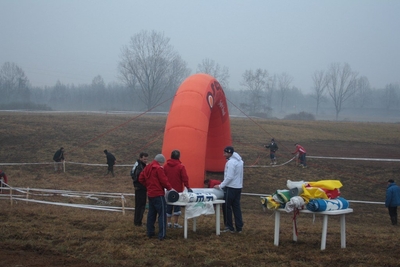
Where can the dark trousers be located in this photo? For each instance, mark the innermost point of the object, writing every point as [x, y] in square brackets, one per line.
[157, 205]
[302, 158]
[393, 214]
[232, 205]
[140, 204]
[110, 167]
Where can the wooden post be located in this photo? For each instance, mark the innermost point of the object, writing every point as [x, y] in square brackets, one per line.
[64, 166]
[123, 204]
[27, 193]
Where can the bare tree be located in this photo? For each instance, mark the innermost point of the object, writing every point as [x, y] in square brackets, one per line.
[320, 83]
[151, 63]
[98, 82]
[341, 85]
[391, 96]
[284, 81]
[209, 66]
[271, 87]
[98, 87]
[14, 85]
[362, 96]
[60, 96]
[181, 71]
[256, 83]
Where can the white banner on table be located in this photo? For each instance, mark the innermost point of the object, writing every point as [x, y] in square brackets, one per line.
[199, 208]
[196, 197]
[217, 192]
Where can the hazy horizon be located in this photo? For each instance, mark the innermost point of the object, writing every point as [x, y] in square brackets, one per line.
[74, 41]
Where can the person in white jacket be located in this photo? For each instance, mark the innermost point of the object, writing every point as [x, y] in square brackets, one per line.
[232, 186]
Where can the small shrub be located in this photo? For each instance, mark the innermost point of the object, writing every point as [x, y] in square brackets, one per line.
[302, 116]
[263, 115]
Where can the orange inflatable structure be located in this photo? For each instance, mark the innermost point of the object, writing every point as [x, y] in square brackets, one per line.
[198, 126]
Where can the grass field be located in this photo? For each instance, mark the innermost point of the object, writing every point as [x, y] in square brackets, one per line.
[34, 234]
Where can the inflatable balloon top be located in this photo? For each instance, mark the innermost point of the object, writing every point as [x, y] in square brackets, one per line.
[322, 195]
[198, 126]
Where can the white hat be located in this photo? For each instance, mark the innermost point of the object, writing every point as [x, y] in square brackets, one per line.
[159, 158]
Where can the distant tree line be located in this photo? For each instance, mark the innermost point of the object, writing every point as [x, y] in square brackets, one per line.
[150, 71]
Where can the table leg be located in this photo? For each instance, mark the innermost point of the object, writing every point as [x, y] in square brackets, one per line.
[324, 231]
[277, 225]
[185, 226]
[194, 224]
[294, 231]
[343, 230]
[217, 219]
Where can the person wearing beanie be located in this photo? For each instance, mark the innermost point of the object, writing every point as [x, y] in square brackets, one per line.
[160, 158]
[178, 178]
[232, 186]
[154, 179]
[273, 147]
[392, 200]
[110, 162]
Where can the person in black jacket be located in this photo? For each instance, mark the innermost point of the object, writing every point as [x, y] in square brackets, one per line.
[140, 190]
[58, 158]
[110, 162]
[273, 147]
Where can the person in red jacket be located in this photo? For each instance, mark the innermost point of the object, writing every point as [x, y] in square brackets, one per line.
[210, 183]
[177, 176]
[154, 179]
[302, 155]
[3, 177]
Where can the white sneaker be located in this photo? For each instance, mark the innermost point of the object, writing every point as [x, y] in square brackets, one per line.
[169, 225]
[176, 225]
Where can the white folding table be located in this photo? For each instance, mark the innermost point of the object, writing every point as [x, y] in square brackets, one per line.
[217, 204]
[325, 214]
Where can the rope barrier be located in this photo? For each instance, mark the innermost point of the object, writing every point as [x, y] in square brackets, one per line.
[271, 166]
[18, 164]
[118, 126]
[250, 166]
[102, 165]
[94, 196]
[24, 194]
[353, 201]
[82, 206]
[255, 122]
[316, 157]
[66, 192]
[368, 159]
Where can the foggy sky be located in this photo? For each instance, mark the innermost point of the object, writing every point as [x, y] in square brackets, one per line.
[75, 40]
